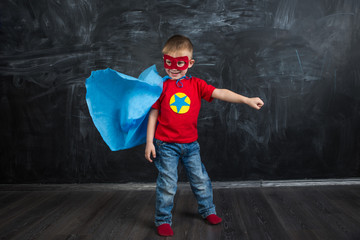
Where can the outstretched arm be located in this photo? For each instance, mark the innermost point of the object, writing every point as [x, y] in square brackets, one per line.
[150, 148]
[230, 96]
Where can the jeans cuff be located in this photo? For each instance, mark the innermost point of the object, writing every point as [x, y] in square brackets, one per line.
[208, 213]
[162, 222]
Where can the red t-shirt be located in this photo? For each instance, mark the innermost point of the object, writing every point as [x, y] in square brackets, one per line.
[179, 109]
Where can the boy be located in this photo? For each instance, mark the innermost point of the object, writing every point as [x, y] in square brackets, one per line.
[173, 123]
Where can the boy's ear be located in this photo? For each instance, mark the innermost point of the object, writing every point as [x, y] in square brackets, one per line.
[191, 63]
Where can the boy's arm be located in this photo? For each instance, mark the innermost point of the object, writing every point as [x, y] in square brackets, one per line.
[150, 148]
[229, 96]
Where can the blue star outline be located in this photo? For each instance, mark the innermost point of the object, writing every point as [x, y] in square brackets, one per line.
[179, 103]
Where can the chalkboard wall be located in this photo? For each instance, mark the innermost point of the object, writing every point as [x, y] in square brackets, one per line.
[301, 57]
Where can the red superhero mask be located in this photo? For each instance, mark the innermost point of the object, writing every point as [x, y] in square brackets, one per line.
[179, 63]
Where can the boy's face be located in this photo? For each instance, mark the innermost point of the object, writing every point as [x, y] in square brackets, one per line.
[178, 71]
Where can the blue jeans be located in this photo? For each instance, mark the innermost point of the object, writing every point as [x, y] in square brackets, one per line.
[166, 161]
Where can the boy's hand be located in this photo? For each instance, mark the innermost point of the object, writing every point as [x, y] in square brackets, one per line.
[150, 151]
[255, 102]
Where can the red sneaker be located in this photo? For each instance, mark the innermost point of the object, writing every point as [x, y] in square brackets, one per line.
[213, 219]
[165, 230]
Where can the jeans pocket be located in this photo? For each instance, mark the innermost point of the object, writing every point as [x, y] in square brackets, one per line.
[195, 146]
[159, 143]
[160, 147]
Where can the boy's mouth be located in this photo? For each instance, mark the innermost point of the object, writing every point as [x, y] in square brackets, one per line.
[174, 72]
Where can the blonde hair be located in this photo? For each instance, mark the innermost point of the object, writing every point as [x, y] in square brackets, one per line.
[176, 43]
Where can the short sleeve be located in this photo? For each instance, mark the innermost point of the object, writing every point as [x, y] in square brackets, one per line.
[206, 90]
[156, 105]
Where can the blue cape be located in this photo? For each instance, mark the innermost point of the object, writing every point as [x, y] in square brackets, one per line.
[119, 105]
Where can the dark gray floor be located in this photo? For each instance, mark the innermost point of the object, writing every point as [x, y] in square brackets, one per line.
[98, 212]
